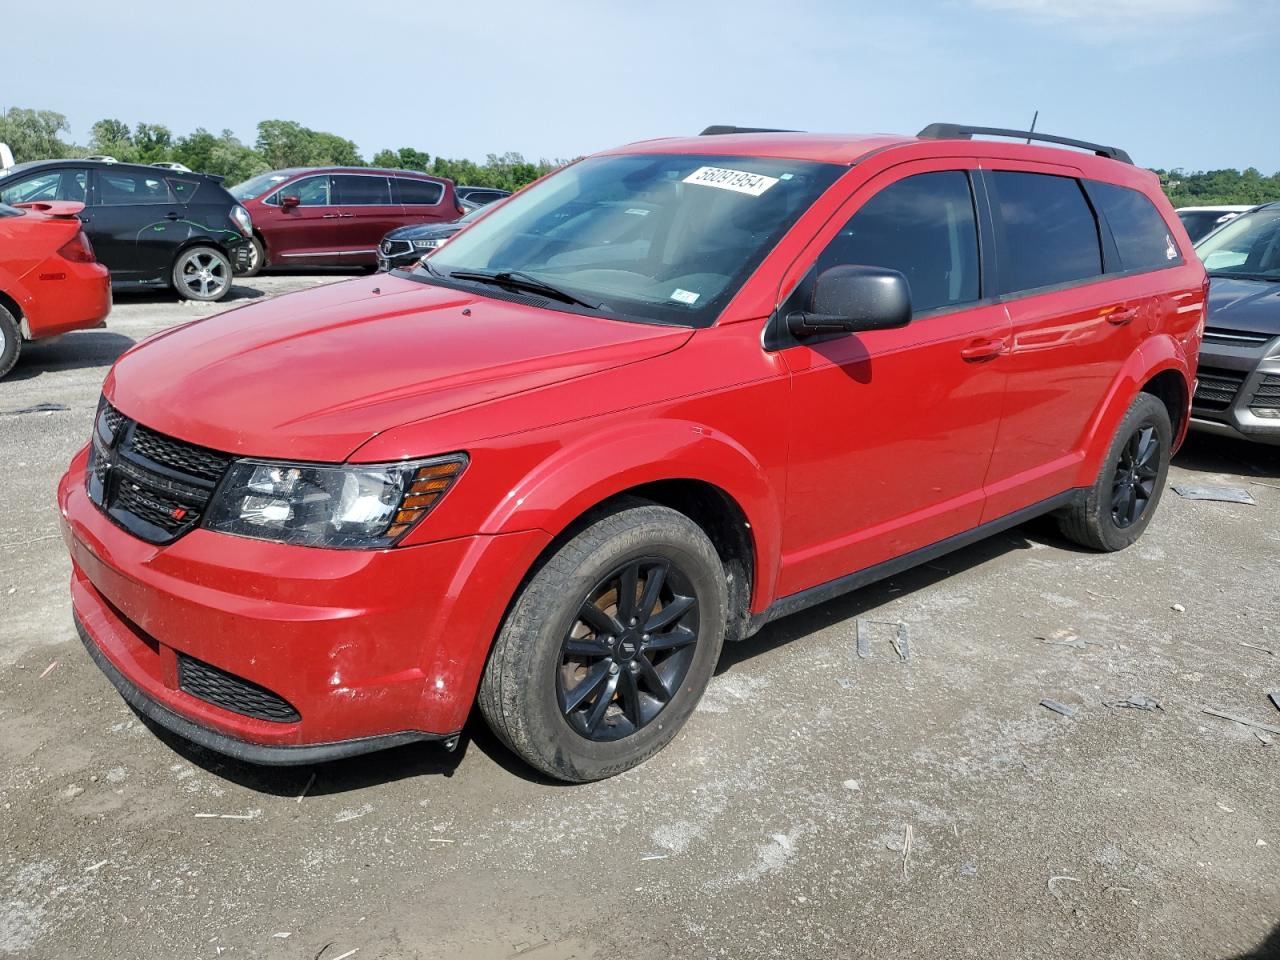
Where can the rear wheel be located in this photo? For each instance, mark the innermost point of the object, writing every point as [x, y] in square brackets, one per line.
[10, 341]
[1123, 499]
[202, 273]
[610, 645]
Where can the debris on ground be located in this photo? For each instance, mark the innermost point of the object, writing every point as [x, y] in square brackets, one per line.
[1178, 608]
[1219, 494]
[307, 787]
[1268, 727]
[864, 639]
[1275, 698]
[48, 670]
[906, 848]
[1257, 646]
[1136, 702]
[1062, 708]
[900, 640]
[38, 408]
[1064, 638]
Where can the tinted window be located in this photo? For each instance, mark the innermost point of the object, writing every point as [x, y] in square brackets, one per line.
[1049, 231]
[310, 191]
[923, 227]
[54, 185]
[1142, 237]
[1248, 247]
[185, 189]
[361, 191]
[419, 191]
[1200, 223]
[120, 187]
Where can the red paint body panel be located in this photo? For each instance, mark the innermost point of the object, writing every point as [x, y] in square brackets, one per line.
[53, 295]
[840, 454]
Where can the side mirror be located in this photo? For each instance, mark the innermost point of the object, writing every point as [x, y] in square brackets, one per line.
[289, 202]
[851, 299]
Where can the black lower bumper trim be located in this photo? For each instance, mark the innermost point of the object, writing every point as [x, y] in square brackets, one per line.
[277, 756]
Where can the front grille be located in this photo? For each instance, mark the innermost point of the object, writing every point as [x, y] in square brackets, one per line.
[1216, 389]
[1267, 394]
[1234, 338]
[152, 485]
[206, 682]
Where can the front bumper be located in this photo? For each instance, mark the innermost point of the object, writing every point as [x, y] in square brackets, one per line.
[370, 648]
[1238, 383]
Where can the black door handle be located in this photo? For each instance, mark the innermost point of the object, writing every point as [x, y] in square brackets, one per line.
[173, 216]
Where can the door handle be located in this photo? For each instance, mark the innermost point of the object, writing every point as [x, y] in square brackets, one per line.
[171, 215]
[345, 215]
[331, 216]
[983, 350]
[1119, 316]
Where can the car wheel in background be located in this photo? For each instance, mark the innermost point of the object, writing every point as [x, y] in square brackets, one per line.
[10, 341]
[1123, 499]
[257, 258]
[609, 646]
[202, 273]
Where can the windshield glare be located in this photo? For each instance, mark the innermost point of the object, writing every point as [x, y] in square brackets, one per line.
[1248, 246]
[654, 237]
[257, 186]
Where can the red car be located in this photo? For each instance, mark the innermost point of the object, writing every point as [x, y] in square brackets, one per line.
[335, 216]
[555, 474]
[50, 282]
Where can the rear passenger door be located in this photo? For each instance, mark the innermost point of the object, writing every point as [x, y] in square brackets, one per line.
[135, 223]
[1073, 328]
[892, 430]
[367, 211]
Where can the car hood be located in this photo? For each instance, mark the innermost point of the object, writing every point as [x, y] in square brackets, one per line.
[313, 375]
[1249, 306]
[424, 231]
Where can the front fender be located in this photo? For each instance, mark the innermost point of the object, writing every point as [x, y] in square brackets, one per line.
[621, 456]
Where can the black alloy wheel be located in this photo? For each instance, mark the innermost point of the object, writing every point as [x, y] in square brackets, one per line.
[628, 650]
[1135, 478]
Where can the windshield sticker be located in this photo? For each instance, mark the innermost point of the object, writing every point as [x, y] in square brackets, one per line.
[739, 181]
[1170, 248]
[684, 296]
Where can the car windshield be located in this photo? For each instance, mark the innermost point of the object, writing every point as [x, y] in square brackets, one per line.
[1248, 247]
[257, 186]
[8, 211]
[650, 237]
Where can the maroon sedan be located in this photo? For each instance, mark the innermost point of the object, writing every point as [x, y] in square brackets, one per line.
[335, 216]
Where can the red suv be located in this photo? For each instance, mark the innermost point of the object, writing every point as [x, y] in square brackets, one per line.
[335, 216]
[555, 474]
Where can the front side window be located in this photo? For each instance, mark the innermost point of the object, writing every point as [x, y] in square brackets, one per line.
[310, 191]
[257, 186]
[1049, 232]
[53, 185]
[663, 238]
[352, 190]
[424, 192]
[1142, 237]
[924, 227]
[118, 188]
[1247, 248]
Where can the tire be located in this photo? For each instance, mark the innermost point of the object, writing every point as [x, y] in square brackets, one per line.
[257, 258]
[202, 273]
[10, 342]
[543, 691]
[1122, 501]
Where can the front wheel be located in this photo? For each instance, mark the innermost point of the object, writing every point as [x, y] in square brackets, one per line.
[1123, 499]
[257, 258]
[609, 646]
[10, 341]
[202, 273]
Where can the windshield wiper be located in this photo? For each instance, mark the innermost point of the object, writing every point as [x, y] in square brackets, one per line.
[521, 281]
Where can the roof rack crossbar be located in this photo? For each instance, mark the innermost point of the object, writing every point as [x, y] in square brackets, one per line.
[717, 129]
[959, 131]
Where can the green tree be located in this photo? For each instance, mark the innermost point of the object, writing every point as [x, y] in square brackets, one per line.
[111, 137]
[406, 158]
[152, 142]
[33, 134]
[285, 143]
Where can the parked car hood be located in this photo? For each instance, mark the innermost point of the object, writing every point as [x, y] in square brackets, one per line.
[313, 375]
[1250, 306]
[425, 231]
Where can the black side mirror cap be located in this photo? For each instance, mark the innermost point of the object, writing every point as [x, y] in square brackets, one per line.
[852, 299]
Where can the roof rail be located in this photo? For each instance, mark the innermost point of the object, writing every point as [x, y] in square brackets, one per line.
[719, 128]
[959, 131]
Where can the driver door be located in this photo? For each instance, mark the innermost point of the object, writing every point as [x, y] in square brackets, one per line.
[892, 430]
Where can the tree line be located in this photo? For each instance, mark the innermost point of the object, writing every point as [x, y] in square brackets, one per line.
[40, 135]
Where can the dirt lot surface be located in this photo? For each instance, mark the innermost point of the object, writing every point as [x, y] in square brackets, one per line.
[818, 805]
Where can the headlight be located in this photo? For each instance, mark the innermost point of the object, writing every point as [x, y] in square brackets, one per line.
[240, 217]
[357, 505]
[426, 244]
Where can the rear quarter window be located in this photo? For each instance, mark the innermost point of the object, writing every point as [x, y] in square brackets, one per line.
[1048, 230]
[185, 190]
[1142, 237]
[422, 192]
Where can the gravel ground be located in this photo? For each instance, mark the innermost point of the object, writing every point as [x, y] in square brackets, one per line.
[818, 804]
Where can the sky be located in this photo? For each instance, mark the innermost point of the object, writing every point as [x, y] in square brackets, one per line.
[1178, 83]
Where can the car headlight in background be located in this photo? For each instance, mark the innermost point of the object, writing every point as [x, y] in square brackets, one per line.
[240, 217]
[427, 244]
[351, 506]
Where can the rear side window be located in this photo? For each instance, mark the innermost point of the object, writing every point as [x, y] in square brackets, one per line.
[117, 188]
[924, 227]
[361, 191]
[1142, 237]
[1049, 232]
[422, 192]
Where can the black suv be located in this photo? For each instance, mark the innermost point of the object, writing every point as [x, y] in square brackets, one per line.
[150, 227]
